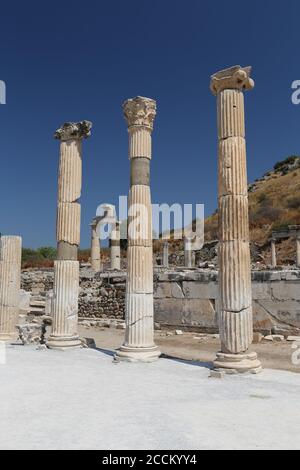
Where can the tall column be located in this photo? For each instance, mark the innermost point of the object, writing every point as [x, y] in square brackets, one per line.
[95, 249]
[139, 336]
[273, 253]
[115, 251]
[298, 250]
[64, 332]
[235, 302]
[165, 259]
[188, 262]
[10, 284]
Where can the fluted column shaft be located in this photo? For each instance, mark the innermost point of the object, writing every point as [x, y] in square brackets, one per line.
[235, 315]
[139, 336]
[10, 284]
[234, 254]
[95, 250]
[64, 333]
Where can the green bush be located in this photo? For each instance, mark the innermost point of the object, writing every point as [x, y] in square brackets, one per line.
[281, 226]
[288, 161]
[47, 252]
[40, 257]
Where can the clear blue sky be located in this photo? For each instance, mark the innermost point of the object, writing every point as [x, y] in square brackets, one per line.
[78, 60]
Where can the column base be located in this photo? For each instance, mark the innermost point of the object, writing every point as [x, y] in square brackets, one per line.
[237, 363]
[9, 337]
[132, 354]
[63, 342]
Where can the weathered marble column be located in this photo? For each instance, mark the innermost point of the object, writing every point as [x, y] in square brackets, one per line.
[115, 250]
[165, 256]
[139, 336]
[64, 332]
[273, 253]
[235, 302]
[188, 262]
[10, 284]
[95, 249]
[298, 250]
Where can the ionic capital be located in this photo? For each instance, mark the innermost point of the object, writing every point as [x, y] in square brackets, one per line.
[233, 78]
[140, 112]
[74, 130]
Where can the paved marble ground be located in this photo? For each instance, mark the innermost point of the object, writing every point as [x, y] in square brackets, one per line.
[81, 400]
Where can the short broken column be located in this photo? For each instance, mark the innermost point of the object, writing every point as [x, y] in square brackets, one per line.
[115, 250]
[10, 284]
[139, 336]
[273, 253]
[235, 296]
[64, 333]
[165, 260]
[188, 260]
[95, 248]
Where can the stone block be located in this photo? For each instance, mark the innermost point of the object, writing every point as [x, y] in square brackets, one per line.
[31, 333]
[192, 312]
[199, 290]
[286, 291]
[286, 312]
[24, 300]
[261, 290]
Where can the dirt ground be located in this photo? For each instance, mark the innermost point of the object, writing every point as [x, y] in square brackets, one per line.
[189, 347]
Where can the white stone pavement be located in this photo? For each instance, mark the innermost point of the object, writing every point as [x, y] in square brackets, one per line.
[81, 400]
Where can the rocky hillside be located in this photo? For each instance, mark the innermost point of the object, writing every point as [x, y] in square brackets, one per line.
[274, 203]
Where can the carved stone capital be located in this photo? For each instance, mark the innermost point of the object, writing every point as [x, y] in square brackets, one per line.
[140, 112]
[74, 130]
[233, 78]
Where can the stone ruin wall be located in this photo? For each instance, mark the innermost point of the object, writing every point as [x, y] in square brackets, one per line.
[183, 299]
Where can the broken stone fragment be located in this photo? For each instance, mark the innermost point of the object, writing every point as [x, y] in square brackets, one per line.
[178, 332]
[31, 333]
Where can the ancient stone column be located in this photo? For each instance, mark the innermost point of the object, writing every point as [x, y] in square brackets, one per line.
[139, 336]
[66, 268]
[298, 250]
[165, 256]
[115, 251]
[235, 302]
[188, 261]
[10, 284]
[95, 249]
[273, 253]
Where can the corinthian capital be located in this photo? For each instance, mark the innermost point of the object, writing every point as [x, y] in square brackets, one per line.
[74, 130]
[140, 112]
[234, 78]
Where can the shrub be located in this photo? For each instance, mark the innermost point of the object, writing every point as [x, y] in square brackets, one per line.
[262, 198]
[264, 215]
[281, 226]
[47, 252]
[288, 161]
[42, 257]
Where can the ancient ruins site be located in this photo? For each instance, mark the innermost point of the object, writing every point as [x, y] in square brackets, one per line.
[128, 336]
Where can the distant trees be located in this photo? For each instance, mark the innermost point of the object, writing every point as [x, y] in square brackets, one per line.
[41, 257]
[47, 252]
